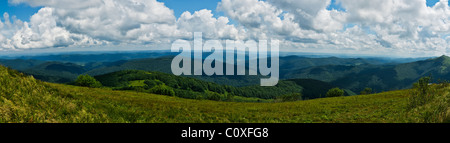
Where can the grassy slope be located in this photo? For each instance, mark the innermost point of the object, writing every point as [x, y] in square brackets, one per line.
[141, 107]
[24, 99]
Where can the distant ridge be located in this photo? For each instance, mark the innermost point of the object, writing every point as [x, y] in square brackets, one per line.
[349, 73]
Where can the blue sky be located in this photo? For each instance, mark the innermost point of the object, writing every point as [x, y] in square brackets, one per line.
[21, 11]
[180, 6]
[335, 5]
[431, 2]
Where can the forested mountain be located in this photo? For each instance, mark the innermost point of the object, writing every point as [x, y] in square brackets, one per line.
[378, 77]
[20, 64]
[349, 73]
[193, 88]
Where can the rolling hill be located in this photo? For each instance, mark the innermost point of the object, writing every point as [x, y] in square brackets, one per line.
[162, 64]
[25, 99]
[56, 71]
[354, 74]
[288, 65]
[378, 77]
[20, 64]
[192, 88]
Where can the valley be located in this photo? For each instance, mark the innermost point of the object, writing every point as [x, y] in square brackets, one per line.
[353, 74]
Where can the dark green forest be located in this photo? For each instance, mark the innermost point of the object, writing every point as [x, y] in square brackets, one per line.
[154, 82]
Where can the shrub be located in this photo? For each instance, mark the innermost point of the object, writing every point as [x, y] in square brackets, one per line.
[366, 91]
[212, 96]
[138, 88]
[162, 90]
[151, 83]
[229, 96]
[420, 94]
[422, 86]
[335, 92]
[87, 81]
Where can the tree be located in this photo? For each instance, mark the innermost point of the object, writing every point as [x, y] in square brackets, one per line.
[422, 85]
[151, 83]
[162, 90]
[421, 93]
[366, 91]
[335, 92]
[213, 96]
[87, 81]
[290, 97]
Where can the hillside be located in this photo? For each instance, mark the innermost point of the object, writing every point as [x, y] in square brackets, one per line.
[354, 74]
[378, 77]
[162, 64]
[287, 64]
[56, 71]
[19, 64]
[400, 76]
[187, 87]
[24, 99]
[367, 72]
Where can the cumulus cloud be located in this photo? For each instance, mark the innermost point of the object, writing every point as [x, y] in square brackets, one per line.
[405, 25]
[212, 28]
[8, 27]
[62, 22]
[375, 26]
[41, 32]
[118, 20]
[391, 26]
[312, 14]
[261, 19]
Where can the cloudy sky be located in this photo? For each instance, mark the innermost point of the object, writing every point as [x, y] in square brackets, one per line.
[405, 28]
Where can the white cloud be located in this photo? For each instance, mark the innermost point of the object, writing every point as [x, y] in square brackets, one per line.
[7, 28]
[250, 13]
[118, 20]
[404, 25]
[43, 32]
[312, 14]
[328, 21]
[63, 23]
[380, 26]
[137, 22]
[261, 19]
[212, 28]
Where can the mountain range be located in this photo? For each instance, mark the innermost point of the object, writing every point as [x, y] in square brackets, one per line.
[353, 74]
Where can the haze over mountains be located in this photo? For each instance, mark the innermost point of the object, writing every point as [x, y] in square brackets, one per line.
[355, 74]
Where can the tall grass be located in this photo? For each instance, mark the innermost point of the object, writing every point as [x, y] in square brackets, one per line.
[429, 103]
[24, 99]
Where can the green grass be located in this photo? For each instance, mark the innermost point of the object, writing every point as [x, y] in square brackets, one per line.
[137, 83]
[24, 99]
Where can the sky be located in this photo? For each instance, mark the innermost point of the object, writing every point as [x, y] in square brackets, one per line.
[405, 28]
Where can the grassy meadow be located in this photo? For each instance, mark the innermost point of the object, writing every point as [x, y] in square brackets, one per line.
[24, 99]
